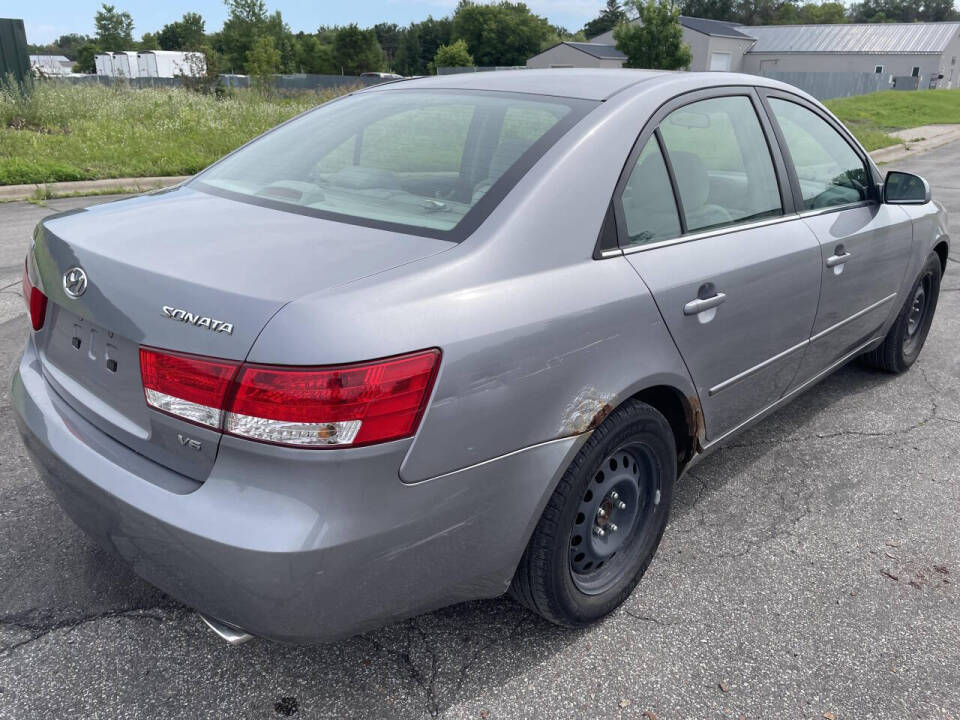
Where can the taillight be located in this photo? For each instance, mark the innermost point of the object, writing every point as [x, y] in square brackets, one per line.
[348, 405]
[186, 386]
[35, 300]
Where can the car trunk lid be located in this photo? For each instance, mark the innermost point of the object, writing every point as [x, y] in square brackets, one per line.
[188, 272]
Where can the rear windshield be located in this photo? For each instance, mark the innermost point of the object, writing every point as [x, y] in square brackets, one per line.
[429, 162]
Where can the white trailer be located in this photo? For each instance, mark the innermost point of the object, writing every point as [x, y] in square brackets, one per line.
[125, 64]
[104, 64]
[171, 63]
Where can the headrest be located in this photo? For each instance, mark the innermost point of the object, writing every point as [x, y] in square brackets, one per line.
[358, 177]
[693, 179]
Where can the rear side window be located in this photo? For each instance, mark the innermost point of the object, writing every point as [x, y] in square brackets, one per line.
[721, 163]
[829, 171]
[410, 160]
[649, 208]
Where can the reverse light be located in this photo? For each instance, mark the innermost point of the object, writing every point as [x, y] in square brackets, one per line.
[311, 407]
[33, 298]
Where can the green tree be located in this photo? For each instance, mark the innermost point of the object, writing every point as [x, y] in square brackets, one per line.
[203, 74]
[66, 45]
[148, 42]
[656, 42]
[709, 9]
[114, 29]
[455, 55]
[263, 63]
[188, 33]
[433, 32]
[408, 60]
[388, 35]
[828, 13]
[356, 51]
[85, 58]
[502, 34]
[246, 22]
[611, 16]
[765, 12]
[313, 56]
[559, 34]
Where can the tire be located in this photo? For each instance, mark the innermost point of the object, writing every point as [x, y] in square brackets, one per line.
[567, 574]
[902, 346]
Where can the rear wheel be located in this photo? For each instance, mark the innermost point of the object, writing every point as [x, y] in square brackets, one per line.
[603, 524]
[901, 348]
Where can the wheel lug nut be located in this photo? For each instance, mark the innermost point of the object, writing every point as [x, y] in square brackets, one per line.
[601, 513]
[612, 526]
[614, 495]
[599, 531]
[622, 505]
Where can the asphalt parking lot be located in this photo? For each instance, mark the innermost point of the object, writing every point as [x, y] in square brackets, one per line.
[811, 569]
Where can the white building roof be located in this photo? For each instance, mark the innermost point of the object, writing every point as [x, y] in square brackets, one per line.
[863, 38]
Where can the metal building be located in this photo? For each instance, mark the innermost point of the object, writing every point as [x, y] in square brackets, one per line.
[919, 50]
[927, 52]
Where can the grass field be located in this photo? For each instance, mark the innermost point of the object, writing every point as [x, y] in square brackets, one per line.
[871, 117]
[71, 132]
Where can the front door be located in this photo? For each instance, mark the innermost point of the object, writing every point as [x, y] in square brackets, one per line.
[735, 275]
[865, 245]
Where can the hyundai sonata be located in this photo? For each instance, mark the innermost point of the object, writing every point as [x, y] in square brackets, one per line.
[448, 337]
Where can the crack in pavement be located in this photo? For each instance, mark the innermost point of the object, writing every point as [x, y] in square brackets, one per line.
[426, 682]
[767, 441]
[32, 621]
[406, 663]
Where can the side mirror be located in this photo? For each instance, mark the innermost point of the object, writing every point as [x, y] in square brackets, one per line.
[901, 188]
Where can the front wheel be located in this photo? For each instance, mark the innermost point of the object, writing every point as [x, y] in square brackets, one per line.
[604, 521]
[901, 348]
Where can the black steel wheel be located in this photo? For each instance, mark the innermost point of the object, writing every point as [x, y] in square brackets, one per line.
[905, 339]
[604, 521]
[613, 514]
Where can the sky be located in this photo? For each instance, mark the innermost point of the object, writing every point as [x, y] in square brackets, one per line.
[48, 19]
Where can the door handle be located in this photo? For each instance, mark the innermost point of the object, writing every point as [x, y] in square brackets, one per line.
[839, 257]
[697, 306]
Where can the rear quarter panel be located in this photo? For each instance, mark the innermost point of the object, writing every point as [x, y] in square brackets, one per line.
[538, 338]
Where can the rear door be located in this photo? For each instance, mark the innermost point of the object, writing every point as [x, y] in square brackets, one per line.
[865, 245]
[706, 219]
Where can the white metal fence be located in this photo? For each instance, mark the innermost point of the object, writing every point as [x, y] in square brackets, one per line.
[474, 68]
[283, 82]
[827, 85]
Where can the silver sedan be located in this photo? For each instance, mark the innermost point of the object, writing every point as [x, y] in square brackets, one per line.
[449, 337]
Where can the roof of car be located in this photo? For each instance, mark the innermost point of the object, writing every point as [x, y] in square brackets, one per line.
[585, 83]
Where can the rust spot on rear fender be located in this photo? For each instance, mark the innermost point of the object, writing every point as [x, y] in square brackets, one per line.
[585, 412]
[695, 423]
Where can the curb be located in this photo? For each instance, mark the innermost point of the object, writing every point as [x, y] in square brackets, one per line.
[898, 152]
[87, 187]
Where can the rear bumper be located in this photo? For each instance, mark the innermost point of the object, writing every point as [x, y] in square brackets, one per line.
[293, 545]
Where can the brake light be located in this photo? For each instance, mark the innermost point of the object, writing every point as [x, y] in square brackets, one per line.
[348, 405]
[186, 386]
[35, 300]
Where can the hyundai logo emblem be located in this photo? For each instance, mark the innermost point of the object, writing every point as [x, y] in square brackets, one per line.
[75, 282]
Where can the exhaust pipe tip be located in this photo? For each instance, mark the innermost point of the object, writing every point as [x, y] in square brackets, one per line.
[231, 635]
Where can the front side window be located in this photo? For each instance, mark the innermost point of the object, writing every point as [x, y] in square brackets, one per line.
[721, 163]
[829, 171]
[417, 160]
